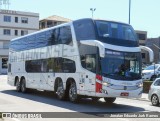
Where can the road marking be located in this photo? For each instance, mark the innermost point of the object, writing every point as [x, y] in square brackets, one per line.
[10, 119]
[15, 119]
[123, 119]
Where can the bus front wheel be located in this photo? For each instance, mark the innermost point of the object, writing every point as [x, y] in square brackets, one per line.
[109, 100]
[95, 99]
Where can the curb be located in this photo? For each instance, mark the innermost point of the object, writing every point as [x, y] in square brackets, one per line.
[142, 99]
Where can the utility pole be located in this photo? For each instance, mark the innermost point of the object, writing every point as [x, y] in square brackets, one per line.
[129, 11]
[92, 10]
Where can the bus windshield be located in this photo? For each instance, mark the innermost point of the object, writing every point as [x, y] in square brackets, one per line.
[121, 65]
[116, 33]
[115, 30]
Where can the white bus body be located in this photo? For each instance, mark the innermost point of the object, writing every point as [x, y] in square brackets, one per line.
[73, 60]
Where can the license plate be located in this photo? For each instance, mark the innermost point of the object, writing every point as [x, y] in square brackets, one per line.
[124, 94]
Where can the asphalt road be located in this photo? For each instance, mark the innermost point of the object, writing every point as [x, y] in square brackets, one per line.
[37, 101]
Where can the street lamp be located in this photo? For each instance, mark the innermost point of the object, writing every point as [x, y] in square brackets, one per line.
[92, 9]
[129, 10]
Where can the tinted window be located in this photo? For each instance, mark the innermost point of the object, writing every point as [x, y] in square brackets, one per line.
[69, 66]
[116, 33]
[65, 36]
[33, 66]
[56, 65]
[114, 30]
[89, 57]
[90, 61]
[103, 28]
[51, 37]
[84, 29]
[41, 39]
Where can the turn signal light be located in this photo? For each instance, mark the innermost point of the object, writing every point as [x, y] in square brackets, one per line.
[99, 77]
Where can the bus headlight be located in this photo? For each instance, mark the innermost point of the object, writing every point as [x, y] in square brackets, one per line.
[140, 85]
[106, 84]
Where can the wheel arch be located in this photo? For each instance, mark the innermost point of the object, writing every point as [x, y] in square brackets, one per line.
[56, 82]
[22, 78]
[16, 77]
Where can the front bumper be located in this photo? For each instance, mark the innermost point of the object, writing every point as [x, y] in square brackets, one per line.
[109, 92]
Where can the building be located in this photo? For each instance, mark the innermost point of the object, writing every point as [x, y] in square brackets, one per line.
[142, 36]
[14, 24]
[154, 44]
[52, 21]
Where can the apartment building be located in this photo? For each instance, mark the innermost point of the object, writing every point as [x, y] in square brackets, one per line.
[52, 21]
[154, 44]
[142, 36]
[14, 24]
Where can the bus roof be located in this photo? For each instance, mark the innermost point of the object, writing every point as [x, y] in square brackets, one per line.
[64, 25]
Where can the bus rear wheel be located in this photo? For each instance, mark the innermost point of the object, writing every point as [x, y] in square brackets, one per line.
[23, 85]
[73, 96]
[109, 100]
[60, 90]
[18, 87]
[95, 99]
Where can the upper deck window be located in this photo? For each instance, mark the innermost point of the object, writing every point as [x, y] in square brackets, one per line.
[116, 33]
[115, 30]
[84, 29]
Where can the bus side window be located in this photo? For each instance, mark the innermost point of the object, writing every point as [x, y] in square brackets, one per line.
[69, 66]
[90, 61]
[52, 37]
[65, 36]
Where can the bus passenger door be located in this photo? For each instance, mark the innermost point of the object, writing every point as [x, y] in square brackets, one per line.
[90, 83]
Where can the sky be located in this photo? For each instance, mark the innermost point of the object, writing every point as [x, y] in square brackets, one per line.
[145, 14]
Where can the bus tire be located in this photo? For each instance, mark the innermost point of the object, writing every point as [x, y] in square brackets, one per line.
[109, 100]
[60, 92]
[73, 96]
[17, 84]
[23, 85]
[95, 99]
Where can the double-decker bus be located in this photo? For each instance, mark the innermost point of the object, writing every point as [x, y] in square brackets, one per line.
[83, 58]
